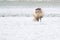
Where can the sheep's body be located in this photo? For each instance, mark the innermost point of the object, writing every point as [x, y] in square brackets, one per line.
[38, 15]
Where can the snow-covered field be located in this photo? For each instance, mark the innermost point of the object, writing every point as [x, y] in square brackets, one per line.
[28, 11]
[24, 28]
[17, 24]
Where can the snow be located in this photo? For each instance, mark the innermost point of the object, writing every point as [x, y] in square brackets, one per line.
[24, 28]
[23, 11]
[18, 24]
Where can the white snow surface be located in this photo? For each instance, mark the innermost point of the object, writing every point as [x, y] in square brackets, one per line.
[24, 28]
[27, 11]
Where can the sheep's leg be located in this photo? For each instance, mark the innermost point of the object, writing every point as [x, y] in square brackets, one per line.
[40, 19]
[37, 19]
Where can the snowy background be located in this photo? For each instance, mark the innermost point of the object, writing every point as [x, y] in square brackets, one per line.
[28, 11]
[16, 21]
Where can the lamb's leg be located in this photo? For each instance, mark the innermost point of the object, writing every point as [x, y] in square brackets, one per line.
[40, 19]
[37, 19]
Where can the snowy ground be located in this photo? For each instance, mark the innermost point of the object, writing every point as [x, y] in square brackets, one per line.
[28, 11]
[24, 28]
